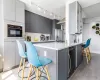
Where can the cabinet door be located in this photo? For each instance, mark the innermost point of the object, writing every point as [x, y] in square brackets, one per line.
[73, 18]
[9, 55]
[63, 63]
[20, 13]
[81, 20]
[28, 21]
[9, 10]
[17, 57]
[78, 18]
[79, 56]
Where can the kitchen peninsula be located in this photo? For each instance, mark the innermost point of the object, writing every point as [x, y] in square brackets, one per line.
[66, 58]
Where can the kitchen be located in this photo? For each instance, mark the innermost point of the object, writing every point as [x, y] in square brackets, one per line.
[51, 32]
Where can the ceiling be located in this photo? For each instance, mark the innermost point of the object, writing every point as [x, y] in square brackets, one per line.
[92, 11]
[58, 7]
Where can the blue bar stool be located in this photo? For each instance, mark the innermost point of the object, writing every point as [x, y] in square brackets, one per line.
[36, 61]
[87, 50]
[23, 56]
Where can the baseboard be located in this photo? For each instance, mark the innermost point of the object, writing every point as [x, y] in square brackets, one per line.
[11, 68]
[95, 52]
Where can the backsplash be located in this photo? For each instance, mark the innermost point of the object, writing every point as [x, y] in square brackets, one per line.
[35, 37]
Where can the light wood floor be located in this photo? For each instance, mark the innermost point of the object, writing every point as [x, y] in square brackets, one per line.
[84, 72]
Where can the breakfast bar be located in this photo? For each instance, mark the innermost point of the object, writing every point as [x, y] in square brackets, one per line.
[63, 64]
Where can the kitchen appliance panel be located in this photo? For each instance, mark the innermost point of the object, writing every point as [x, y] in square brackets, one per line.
[14, 31]
[6, 22]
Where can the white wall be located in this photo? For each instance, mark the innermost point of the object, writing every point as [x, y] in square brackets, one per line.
[88, 32]
[1, 32]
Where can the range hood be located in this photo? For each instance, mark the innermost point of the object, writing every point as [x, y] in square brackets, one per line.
[62, 21]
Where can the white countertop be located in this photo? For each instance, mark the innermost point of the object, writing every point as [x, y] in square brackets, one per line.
[55, 45]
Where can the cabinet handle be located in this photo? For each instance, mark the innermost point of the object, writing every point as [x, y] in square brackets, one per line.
[69, 68]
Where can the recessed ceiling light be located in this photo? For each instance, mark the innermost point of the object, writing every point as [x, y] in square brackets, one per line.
[29, 2]
[44, 12]
[54, 16]
[39, 8]
[51, 14]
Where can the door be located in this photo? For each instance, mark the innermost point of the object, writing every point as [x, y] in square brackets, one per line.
[9, 55]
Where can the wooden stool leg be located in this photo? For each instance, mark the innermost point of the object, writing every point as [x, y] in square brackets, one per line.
[34, 69]
[29, 72]
[47, 72]
[23, 69]
[87, 56]
[20, 64]
[37, 74]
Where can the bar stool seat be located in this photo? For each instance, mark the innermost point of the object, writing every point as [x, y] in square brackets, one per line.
[44, 61]
[25, 55]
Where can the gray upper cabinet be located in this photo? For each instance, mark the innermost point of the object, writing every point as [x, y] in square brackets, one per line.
[20, 11]
[14, 10]
[79, 18]
[37, 24]
[57, 26]
[72, 18]
[9, 9]
[75, 18]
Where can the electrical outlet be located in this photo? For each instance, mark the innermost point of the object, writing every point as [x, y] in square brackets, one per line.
[45, 53]
[0, 55]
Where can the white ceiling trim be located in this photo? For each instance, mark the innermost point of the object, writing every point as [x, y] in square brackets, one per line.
[56, 7]
[30, 4]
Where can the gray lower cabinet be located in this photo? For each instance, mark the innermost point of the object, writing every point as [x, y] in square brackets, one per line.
[79, 56]
[58, 69]
[63, 63]
[9, 55]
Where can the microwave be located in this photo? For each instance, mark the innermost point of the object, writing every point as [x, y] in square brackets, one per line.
[14, 30]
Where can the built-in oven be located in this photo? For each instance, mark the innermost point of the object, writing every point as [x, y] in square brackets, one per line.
[14, 30]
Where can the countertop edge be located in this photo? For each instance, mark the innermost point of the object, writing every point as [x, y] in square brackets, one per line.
[59, 48]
